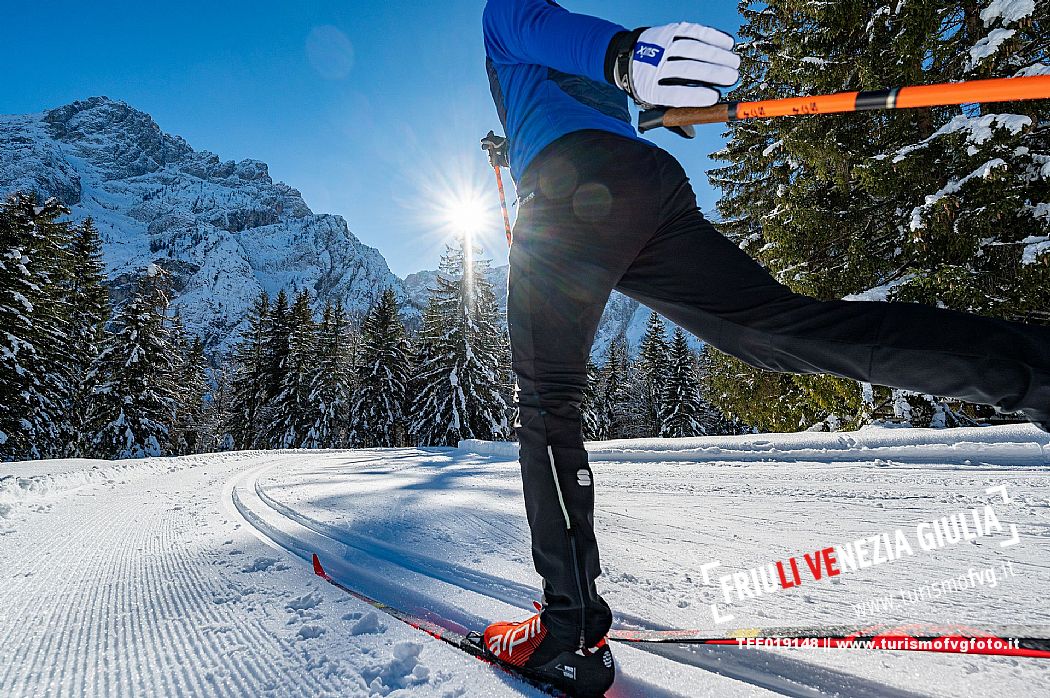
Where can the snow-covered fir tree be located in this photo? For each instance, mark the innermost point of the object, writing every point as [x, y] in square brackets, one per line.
[291, 413]
[595, 418]
[684, 413]
[217, 410]
[188, 432]
[248, 380]
[87, 299]
[34, 370]
[651, 373]
[617, 402]
[137, 394]
[379, 415]
[943, 206]
[461, 362]
[332, 381]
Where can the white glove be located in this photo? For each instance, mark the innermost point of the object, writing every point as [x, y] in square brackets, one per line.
[679, 65]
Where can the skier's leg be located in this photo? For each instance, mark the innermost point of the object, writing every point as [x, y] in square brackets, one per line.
[697, 278]
[582, 221]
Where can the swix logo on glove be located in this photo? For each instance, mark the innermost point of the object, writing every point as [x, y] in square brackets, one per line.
[681, 65]
[648, 53]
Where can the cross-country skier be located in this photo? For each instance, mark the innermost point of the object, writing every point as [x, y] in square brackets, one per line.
[602, 209]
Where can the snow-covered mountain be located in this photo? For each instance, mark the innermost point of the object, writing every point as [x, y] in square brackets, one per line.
[224, 230]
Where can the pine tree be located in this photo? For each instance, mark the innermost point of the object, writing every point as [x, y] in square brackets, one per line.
[291, 414]
[248, 382]
[940, 206]
[683, 410]
[137, 395]
[191, 375]
[461, 366]
[332, 381]
[380, 403]
[87, 299]
[965, 194]
[618, 403]
[276, 348]
[217, 413]
[34, 374]
[595, 419]
[651, 374]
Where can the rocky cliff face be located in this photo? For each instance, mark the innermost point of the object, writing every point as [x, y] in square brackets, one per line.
[224, 230]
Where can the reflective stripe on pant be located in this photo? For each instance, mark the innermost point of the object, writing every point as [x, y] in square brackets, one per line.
[601, 212]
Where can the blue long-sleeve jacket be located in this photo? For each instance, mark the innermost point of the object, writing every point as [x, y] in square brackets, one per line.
[547, 73]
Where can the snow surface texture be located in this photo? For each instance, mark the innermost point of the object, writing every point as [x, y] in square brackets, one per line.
[189, 576]
[153, 585]
[224, 230]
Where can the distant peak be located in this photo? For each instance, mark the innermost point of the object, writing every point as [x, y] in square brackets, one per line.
[118, 133]
[102, 105]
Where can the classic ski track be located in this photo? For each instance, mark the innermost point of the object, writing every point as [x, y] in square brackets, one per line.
[106, 583]
[819, 681]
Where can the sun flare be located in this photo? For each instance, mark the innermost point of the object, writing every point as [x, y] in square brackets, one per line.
[467, 215]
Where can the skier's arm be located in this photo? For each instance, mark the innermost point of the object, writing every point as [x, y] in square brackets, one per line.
[537, 32]
[674, 65]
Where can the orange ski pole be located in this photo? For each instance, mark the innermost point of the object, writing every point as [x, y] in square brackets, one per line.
[503, 205]
[998, 90]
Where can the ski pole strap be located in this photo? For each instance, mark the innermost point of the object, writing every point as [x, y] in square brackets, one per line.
[496, 147]
[997, 90]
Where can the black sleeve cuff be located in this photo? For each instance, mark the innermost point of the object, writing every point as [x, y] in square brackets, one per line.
[622, 42]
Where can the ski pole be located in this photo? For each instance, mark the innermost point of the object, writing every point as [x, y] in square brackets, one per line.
[496, 147]
[503, 205]
[998, 90]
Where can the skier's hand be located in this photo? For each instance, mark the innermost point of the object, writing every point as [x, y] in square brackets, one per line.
[678, 65]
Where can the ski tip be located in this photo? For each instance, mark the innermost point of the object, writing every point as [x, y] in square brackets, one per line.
[318, 569]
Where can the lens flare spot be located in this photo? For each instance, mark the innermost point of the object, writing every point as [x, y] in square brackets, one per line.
[558, 179]
[330, 52]
[592, 202]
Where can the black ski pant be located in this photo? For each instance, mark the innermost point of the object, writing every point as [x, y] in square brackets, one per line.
[600, 212]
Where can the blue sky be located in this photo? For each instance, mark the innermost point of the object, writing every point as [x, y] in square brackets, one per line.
[373, 109]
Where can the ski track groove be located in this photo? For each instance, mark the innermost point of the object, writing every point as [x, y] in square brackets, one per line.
[36, 572]
[130, 595]
[827, 683]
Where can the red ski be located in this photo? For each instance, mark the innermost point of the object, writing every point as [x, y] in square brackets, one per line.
[469, 642]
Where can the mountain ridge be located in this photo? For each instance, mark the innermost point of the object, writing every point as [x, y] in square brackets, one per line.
[224, 230]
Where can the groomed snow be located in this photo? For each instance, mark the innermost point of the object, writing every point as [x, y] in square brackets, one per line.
[189, 576]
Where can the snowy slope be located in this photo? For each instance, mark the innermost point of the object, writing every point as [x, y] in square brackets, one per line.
[224, 230]
[188, 575]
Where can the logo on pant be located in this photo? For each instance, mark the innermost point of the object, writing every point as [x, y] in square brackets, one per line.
[583, 478]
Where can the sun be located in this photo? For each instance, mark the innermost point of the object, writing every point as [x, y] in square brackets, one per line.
[466, 215]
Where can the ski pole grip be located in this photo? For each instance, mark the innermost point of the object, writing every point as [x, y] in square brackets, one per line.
[694, 116]
[681, 117]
